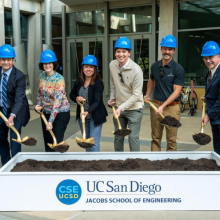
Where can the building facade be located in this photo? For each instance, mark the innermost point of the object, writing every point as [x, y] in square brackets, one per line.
[82, 27]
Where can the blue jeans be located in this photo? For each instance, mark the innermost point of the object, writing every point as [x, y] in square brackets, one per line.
[4, 144]
[92, 131]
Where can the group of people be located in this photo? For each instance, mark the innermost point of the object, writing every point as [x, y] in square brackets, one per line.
[126, 84]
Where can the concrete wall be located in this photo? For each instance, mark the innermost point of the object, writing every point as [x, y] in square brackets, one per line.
[25, 6]
[57, 7]
[166, 25]
[127, 3]
[2, 23]
[34, 38]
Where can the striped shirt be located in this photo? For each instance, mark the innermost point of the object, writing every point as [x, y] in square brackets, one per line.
[51, 94]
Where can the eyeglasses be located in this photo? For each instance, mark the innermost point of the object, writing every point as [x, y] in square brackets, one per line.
[208, 58]
[120, 75]
[161, 71]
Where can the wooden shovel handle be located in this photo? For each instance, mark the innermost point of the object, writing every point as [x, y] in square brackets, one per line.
[11, 126]
[153, 107]
[203, 114]
[41, 112]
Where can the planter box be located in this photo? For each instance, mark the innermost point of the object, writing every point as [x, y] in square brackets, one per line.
[140, 190]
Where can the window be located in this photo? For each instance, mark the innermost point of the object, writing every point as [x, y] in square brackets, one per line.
[85, 23]
[131, 20]
[56, 25]
[199, 14]
[9, 29]
[194, 15]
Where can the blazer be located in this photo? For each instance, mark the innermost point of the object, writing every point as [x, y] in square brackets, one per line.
[95, 99]
[212, 94]
[16, 96]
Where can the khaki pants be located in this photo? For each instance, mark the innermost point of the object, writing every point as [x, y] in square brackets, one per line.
[132, 119]
[157, 128]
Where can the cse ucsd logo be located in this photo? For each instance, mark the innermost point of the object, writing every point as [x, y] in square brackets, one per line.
[68, 192]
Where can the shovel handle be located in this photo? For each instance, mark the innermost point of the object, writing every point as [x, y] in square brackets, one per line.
[203, 114]
[153, 107]
[11, 126]
[83, 117]
[116, 117]
[41, 112]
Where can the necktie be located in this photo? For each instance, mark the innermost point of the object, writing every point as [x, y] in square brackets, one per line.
[4, 93]
[209, 78]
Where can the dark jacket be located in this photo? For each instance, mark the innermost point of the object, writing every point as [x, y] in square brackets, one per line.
[16, 96]
[95, 96]
[212, 95]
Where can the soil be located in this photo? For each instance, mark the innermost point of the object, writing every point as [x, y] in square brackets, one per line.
[183, 164]
[30, 142]
[171, 121]
[61, 148]
[122, 132]
[201, 138]
[85, 145]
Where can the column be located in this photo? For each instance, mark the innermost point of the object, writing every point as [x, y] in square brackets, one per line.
[2, 23]
[166, 25]
[21, 61]
[48, 26]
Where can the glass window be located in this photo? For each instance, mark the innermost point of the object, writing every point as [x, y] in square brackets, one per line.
[76, 57]
[9, 28]
[95, 48]
[141, 57]
[158, 17]
[85, 23]
[190, 49]
[56, 25]
[131, 20]
[199, 14]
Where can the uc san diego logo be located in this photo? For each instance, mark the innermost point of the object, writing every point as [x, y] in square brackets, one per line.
[68, 192]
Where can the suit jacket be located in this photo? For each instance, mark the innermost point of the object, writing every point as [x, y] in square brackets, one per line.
[16, 97]
[95, 99]
[212, 94]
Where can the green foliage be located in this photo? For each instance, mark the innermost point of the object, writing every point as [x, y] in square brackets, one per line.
[143, 62]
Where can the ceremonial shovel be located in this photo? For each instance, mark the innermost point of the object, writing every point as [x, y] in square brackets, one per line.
[62, 146]
[202, 138]
[84, 143]
[168, 120]
[120, 131]
[26, 140]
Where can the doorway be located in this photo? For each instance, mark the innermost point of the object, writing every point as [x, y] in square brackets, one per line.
[140, 53]
[77, 49]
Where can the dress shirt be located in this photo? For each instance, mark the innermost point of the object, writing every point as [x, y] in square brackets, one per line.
[8, 72]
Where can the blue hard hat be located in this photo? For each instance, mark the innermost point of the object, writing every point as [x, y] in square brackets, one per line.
[123, 42]
[210, 48]
[90, 60]
[168, 41]
[48, 56]
[7, 51]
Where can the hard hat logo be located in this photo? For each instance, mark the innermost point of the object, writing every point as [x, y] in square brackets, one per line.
[48, 56]
[124, 43]
[210, 48]
[168, 41]
[7, 51]
[90, 60]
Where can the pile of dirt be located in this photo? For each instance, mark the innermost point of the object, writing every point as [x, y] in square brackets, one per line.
[201, 138]
[122, 132]
[171, 121]
[183, 164]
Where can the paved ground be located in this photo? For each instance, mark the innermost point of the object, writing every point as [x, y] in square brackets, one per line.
[185, 143]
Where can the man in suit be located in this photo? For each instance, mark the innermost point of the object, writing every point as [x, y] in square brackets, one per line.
[211, 57]
[13, 102]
